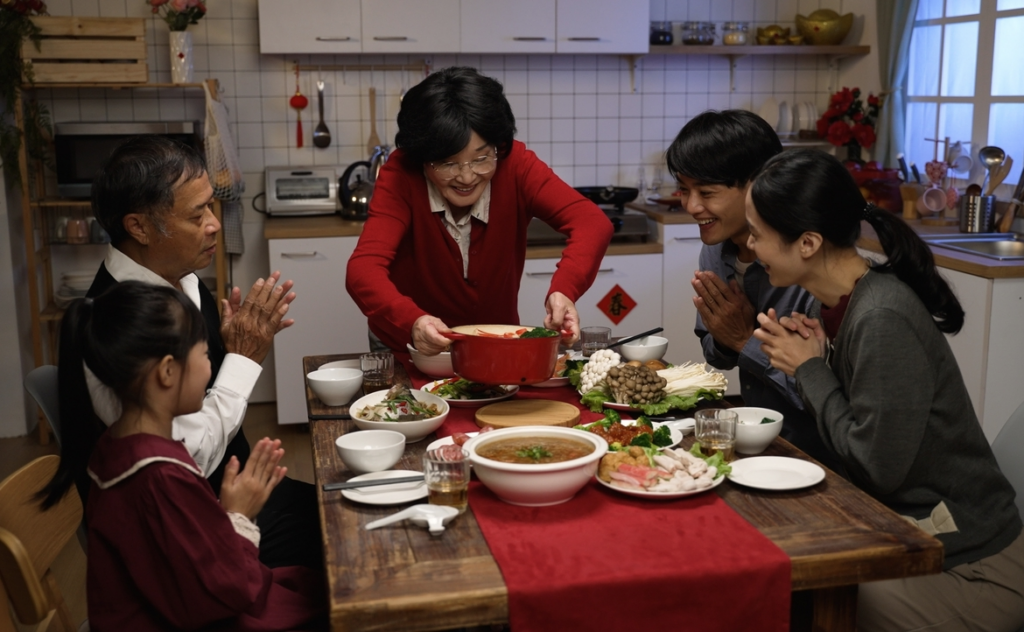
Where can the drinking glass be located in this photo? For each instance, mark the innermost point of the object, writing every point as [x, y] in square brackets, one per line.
[654, 188]
[594, 338]
[446, 470]
[378, 371]
[715, 431]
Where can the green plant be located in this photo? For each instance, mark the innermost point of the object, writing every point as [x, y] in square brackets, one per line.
[15, 28]
[179, 13]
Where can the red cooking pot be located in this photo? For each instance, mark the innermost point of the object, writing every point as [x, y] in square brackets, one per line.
[499, 360]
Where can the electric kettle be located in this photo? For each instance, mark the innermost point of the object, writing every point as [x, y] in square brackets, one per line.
[355, 198]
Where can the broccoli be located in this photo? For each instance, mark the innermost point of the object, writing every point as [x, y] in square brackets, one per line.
[642, 420]
[642, 440]
[612, 416]
[662, 437]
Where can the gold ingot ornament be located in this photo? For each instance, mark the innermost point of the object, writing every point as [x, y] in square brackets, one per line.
[773, 34]
[824, 27]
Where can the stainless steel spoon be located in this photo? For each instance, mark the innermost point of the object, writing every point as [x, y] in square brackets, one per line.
[991, 157]
[321, 135]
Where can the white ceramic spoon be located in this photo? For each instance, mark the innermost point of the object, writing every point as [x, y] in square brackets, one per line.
[434, 517]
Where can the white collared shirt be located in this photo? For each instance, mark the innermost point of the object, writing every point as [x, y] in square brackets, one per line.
[206, 433]
[462, 229]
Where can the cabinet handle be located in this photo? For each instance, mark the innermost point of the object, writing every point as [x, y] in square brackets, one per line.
[390, 38]
[529, 39]
[334, 39]
[540, 274]
[584, 39]
[299, 255]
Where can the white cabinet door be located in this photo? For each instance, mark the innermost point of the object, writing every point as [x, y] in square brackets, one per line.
[310, 26]
[682, 256]
[970, 346]
[603, 26]
[638, 275]
[500, 26]
[400, 26]
[326, 319]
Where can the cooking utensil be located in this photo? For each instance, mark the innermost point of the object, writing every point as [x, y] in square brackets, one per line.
[973, 189]
[656, 330]
[299, 102]
[990, 157]
[330, 487]
[321, 135]
[615, 196]
[434, 517]
[374, 139]
[976, 213]
[903, 167]
[502, 360]
[999, 174]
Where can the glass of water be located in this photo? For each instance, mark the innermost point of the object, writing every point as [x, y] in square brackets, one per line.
[594, 338]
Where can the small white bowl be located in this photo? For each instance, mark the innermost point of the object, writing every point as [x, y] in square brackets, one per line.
[370, 450]
[645, 349]
[413, 430]
[752, 436]
[335, 387]
[536, 485]
[439, 365]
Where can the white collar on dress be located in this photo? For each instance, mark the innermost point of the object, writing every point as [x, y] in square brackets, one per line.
[124, 268]
[481, 209]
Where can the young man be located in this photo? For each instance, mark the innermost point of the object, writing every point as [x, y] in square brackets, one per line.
[714, 158]
[155, 200]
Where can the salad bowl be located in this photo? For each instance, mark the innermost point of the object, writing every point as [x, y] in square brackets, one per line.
[413, 430]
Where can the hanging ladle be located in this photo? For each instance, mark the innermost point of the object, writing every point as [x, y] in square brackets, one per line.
[321, 135]
[991, 157]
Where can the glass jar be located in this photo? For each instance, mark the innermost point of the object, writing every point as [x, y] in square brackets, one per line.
[661, 33]
[698, 33]
[735, 33]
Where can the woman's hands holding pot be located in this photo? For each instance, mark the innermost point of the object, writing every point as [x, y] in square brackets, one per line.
[562, 317]
[426, 335]
[790, 341]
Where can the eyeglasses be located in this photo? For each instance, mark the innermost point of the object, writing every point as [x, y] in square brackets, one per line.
[480, 166]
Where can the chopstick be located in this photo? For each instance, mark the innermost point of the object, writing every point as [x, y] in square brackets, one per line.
[656, 330]
[330, 487]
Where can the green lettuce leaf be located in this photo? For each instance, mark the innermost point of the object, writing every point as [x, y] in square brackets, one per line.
[594, 399]
[680, 403]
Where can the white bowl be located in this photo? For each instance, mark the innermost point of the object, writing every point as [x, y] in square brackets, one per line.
[370, 450]
[335, 387]
[752, 436]
[439, 365]
[645, 349]
[413, 430]
[536, 485]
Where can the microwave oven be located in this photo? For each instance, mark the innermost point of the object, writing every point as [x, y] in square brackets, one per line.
[81, 149]
[302, 190]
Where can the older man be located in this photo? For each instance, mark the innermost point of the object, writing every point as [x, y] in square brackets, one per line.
[155, 200]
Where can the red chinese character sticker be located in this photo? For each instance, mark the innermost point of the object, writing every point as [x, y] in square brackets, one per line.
[616, 304]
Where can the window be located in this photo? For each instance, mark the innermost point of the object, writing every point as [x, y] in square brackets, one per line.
[965, 80]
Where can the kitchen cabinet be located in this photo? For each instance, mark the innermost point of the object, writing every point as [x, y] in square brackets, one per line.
[310, 26]
[400, 26]
[603, 26]
[638, 275]
[499, 26]
[326, 318]
[680, 260]
[990, 347]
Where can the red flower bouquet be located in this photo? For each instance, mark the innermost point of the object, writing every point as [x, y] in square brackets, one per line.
[848, 122]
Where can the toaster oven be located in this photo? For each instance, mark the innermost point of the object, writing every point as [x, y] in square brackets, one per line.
[302, 190]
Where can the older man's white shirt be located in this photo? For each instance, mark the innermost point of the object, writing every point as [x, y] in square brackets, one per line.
[206, 433]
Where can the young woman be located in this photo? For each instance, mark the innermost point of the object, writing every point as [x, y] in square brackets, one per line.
[163, 552]
[882, 382]
[445, 241]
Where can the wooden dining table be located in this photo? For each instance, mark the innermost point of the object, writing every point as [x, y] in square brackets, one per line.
[836, 537]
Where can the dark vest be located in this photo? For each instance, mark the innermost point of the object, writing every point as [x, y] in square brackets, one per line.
[239, 446]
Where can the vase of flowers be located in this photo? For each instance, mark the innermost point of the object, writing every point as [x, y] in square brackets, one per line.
[178, 14]
[847, 122]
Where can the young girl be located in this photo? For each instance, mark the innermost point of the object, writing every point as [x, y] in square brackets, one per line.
[882, 382]
[163, 553]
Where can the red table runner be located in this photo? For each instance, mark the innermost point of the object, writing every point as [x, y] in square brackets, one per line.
[606, 561]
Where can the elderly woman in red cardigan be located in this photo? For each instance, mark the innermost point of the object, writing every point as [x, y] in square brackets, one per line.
[445, 241]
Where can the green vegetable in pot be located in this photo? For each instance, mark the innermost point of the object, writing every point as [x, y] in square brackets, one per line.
[535, 452]
[540, 332]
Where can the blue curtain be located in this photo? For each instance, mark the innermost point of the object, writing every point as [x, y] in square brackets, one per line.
[895, 26]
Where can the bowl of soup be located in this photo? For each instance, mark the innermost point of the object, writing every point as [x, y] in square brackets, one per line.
[535, 466]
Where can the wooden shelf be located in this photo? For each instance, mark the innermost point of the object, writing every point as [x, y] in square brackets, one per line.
[743, 51]
[108, 86]
[61, 203]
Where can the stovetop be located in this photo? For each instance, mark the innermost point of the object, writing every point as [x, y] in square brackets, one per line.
[630, 226]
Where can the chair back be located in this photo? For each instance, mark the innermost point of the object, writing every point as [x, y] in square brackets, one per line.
[1009, 450]
[41, 384]
[30, 539]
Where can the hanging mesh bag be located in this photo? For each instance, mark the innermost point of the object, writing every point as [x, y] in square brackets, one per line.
[221, 156]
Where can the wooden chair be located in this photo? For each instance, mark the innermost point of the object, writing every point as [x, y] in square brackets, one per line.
[41, 384]
[30, 539]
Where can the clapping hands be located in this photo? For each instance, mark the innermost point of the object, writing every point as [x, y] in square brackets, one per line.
[248, 328]
[791, 340]
[247, 491]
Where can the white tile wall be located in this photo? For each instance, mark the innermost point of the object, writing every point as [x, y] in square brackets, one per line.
[576, 112]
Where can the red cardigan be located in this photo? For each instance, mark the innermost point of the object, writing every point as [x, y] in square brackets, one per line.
[406, 264]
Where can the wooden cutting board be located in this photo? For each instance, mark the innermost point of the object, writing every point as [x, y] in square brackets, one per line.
[527, 412]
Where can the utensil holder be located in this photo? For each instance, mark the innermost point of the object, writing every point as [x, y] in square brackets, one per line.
[909, 193]
[976, 213]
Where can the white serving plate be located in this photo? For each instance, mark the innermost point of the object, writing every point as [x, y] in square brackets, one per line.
[661, 495]
[552, 383]
[511, 389]
[386, 494]
[775, 473]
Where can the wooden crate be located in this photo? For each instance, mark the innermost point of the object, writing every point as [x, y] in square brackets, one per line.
[88, 50]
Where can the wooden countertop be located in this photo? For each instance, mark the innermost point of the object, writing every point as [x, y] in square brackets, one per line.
[976, 265]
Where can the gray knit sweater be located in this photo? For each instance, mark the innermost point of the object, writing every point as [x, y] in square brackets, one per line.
[895, 410]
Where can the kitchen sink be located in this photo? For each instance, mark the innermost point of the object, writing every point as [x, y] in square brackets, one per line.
[991, 245]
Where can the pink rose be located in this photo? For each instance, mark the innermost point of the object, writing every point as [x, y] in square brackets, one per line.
[179, 5]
